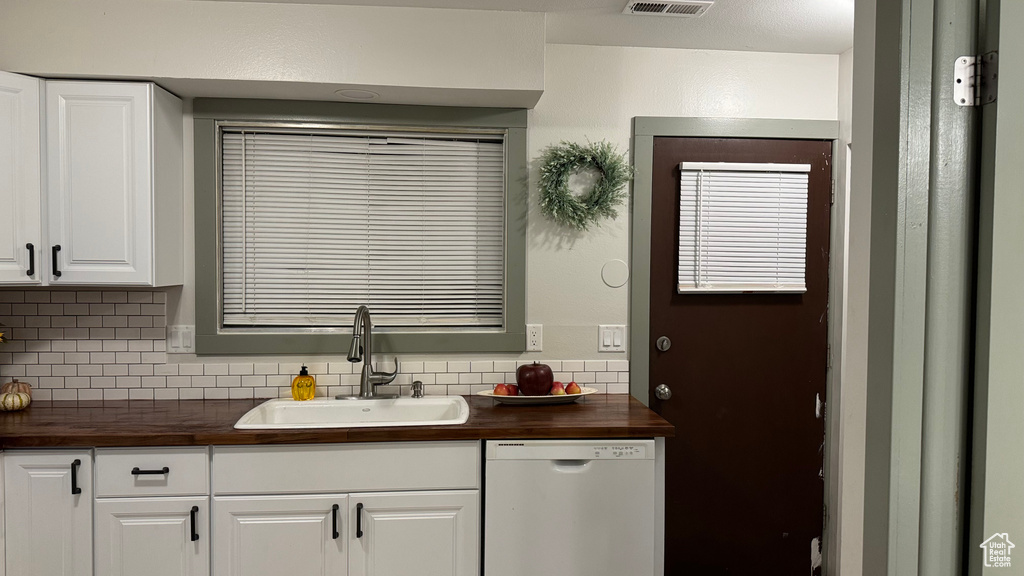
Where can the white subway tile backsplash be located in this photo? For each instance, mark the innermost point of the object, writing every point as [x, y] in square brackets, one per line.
[573, 365]
[482, 366]
[90, 394]
[434, 366]
[191, 369]
[470, 378]
[110, 344]
[240, 369]
[265, 368]
[458, 366]
[140, 297]
[447, 378]
[37, 370]
[253, 381]
[115, 369]
[129, 382]
[190, 394]
[140, 369]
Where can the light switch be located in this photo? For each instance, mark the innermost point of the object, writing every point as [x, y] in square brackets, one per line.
[611, 338]
[181, 339]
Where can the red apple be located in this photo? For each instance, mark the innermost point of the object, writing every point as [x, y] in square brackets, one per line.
[557, 389]
[534, 379]
[501, 390]
[513, 390]
[573, 388]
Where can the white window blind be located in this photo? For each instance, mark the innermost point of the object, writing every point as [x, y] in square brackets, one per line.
[316, 224]
[742, 227]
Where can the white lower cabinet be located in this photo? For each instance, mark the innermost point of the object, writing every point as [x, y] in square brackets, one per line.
[152, 536]
[48, 512]
[388, 509]
[415, 534]
[275, 535]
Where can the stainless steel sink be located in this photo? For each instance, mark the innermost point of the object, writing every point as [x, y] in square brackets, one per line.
[285, 413]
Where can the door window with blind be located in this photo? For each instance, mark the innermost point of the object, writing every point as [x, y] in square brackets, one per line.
[742, 227]
[315, 223]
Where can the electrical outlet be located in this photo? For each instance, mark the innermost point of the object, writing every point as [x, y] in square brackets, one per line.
[611, 338]
[534, 337]
[181, 339]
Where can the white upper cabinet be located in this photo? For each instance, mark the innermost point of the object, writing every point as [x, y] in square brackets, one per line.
[114, 165]
[20, 179]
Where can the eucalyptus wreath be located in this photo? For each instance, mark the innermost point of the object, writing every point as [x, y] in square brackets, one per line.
[562, 161]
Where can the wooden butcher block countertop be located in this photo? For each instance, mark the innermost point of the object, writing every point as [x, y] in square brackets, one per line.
[205, 422]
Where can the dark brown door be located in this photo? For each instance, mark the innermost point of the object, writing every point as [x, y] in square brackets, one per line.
[744, 486]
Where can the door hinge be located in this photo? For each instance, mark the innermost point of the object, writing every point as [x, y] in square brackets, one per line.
[832, 201]
[976, 79]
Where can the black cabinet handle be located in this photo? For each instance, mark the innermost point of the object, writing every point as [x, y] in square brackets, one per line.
[74, 476]
[31, 259]
[53, 260]
[359, 520]
[137, 472]
[334, 522]
[192, 516]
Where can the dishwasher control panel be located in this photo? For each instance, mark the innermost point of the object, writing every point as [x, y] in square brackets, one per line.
[570, 450]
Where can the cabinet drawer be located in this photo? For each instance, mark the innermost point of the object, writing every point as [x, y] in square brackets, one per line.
[325, 468]
[141, 472]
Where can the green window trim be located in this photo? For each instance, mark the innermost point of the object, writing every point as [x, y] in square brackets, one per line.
[212, 339]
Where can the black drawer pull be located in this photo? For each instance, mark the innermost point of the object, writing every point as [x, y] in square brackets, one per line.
[74, 476]
[359, 520]
[192, 516]
[53, 260]
[31, 259]
[137, 472]
[334, 522]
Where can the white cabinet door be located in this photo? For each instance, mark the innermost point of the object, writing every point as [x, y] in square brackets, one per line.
[48, 516]
[99, 150]
[152, 536]
[20, 179]
[415, 534]
[275, 535]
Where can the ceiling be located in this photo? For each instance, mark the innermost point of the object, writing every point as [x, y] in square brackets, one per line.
[807, 26]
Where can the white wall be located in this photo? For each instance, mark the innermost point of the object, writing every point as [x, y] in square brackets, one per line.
[294, 51]
[592, 93]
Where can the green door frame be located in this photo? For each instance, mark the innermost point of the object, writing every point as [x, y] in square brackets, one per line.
[915, 155]
[997, 486]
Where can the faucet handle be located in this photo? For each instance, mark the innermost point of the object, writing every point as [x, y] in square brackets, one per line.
[379, 378]
[417, 389]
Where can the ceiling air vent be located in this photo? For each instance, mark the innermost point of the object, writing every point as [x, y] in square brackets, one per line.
[682, 8]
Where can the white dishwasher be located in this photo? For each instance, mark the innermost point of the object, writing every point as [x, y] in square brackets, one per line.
[570, 508]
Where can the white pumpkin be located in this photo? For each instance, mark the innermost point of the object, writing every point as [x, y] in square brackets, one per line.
[11, 401]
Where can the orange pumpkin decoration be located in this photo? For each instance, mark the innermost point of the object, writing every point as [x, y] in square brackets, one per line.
[16, 387]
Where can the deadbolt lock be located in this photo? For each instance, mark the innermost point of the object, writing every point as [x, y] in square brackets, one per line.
[663, 343]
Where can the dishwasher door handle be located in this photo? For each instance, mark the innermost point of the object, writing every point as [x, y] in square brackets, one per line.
[571, 466]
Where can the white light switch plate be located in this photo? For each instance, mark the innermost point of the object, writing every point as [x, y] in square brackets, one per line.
[181, 339]
[611, 338]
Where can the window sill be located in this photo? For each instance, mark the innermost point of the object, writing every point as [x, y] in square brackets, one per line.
[384, 343]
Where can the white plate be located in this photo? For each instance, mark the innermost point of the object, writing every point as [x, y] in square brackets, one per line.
[534, 400]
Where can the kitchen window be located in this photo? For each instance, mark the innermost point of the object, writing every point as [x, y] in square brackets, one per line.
[417, 212]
